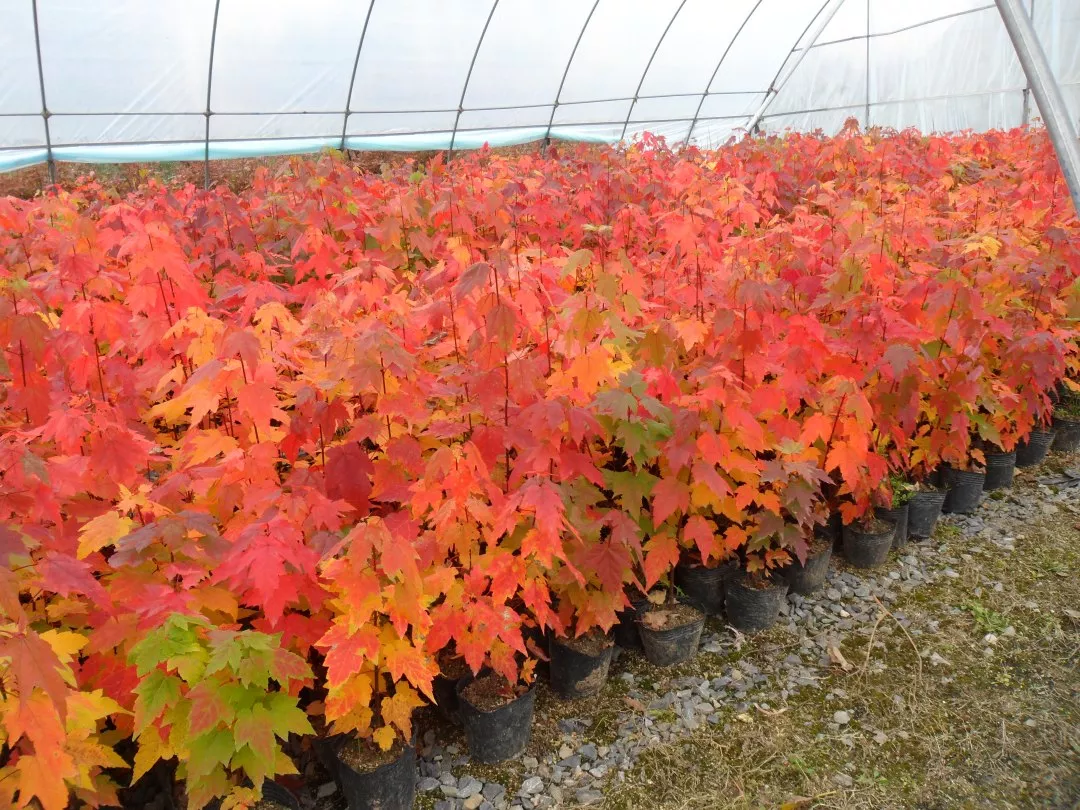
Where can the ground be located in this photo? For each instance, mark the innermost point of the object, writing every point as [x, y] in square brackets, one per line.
[948, 679]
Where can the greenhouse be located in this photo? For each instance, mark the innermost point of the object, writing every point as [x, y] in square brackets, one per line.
[495, 405]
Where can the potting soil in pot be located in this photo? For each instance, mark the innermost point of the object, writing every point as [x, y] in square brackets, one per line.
[490, 692]
[363, 756]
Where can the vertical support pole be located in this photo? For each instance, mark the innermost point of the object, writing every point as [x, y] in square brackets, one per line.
[352, 80]
[1025, 113]
[1046, 91]
[468, 77]
[712, 76]
[566, 71]
[866, 109]
[45, 114]
[644, 73]
[823, 17]
[209, 88]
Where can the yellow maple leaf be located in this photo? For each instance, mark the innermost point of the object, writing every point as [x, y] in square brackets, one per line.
[208, 444]
[104, 530]
[592, 370]
[691, 330]
[151, 749]
[398, 709]
[384, 737]
[64, 643]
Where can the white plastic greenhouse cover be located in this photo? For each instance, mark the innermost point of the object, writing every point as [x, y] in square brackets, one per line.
[134, 80]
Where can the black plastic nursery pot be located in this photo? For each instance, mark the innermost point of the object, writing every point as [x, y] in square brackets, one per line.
[899, 516]
[579, 667]
[705, 586]
[752, 609]
[496, 732]
[999, 471]
[1033, 450]
[445, 692]
[625, 632]
[833, 528]
[279, 795]
[1067, 439]
[390, 786]
[924, 509]
[805, 578]
[676, 641]
[965, 490]
[867, 546]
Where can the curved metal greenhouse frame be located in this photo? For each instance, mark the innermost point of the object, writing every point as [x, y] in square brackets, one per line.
[602, 71]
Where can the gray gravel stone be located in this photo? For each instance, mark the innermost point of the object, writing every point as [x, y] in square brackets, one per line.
[469, 786]
[587, 796]
[531, 786]
[493, 790]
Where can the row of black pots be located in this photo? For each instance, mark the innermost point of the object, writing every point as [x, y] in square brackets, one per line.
[503, 732]
[493, 735]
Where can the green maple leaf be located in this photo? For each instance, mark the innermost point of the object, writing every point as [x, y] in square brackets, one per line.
[156, 691]
[286, 716]
[654, 348]
[208, 751]
[631, 488]
[254, 727]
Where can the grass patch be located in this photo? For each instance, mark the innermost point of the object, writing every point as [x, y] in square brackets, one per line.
[982, 727]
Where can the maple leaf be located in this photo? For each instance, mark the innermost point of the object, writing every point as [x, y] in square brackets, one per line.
[631, 488]
[610, 562]
[398, 708]
[545, 499]
[661, 555]
[253, 727]
[265, 561]
[245, 344]
[33, 664]
[208, 708]
[38, 779]
[35, 719]
[258, 401]
[702, 534]
[670, 496]
[472, 278]
[206, 445]
[403, 660]
[65, 575]
[104, 530]
[384, 737]
[349, 475]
